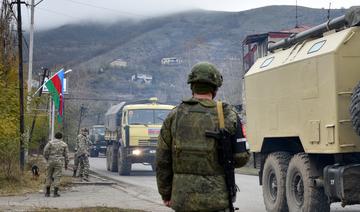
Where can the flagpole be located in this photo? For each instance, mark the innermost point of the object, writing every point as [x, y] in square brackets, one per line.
[52, 121]
[50, 116]
[47, 80]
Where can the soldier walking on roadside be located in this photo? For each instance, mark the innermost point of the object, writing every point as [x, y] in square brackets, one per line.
[56, 155]
[83, 145]
[193, 148]
[76, 163]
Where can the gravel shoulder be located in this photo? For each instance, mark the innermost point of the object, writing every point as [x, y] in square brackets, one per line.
[97, 193]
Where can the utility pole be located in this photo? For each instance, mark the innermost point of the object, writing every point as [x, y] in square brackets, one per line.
[82, 113]
[31, 47]
[21, 87]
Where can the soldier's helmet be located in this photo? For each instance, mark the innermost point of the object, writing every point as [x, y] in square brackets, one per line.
[205, 73]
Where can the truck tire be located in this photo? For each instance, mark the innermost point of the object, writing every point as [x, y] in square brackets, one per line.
[108, 156]
[124, 165]
[94, 153]
[113, 157]
[273, 181]
[301, 193]
[153, 166]
[355, 109]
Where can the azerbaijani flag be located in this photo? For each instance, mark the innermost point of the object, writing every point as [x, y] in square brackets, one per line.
[55, 85]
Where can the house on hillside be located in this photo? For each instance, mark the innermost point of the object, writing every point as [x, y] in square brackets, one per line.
[118, 63]
[256, 45]
[142, 78]
[170, 61]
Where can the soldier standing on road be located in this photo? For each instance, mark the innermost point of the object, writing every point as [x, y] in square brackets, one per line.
[56, 155]
[83, 145]
[189, 174]
[76, 162]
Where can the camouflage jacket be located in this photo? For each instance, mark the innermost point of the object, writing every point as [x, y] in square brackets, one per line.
[56, 151]
[193, 186]
[82, 145]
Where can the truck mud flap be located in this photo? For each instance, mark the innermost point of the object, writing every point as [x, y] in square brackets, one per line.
[341, 183]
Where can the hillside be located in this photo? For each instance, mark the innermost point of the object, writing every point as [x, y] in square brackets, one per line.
[190, 36]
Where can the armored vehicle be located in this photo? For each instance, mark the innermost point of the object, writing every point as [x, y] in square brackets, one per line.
[131, 131]
[96, 134]
[303, 117]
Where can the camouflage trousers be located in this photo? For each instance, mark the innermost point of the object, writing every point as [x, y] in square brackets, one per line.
[76, 162]
[54, 172]
[84, 165]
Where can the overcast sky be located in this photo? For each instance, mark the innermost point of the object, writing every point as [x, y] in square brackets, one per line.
[51, 13]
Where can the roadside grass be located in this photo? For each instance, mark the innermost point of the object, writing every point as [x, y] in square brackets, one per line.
[25, 182]
[87, 209]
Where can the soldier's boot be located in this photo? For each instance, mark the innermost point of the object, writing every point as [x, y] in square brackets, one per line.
[47, 194]
[56, 192]
[74, 173]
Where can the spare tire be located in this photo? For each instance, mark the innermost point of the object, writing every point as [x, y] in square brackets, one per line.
[355, 109]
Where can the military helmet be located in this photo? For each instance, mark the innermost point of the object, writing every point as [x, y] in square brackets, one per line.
[205, 72]
[84, 130]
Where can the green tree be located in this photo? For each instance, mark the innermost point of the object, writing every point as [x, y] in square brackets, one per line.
[9, 98]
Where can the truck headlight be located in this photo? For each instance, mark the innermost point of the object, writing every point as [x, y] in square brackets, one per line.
[136, 152]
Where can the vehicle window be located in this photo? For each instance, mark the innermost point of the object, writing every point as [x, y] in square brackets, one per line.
[146, 116]
[267, 62]
[100, 130]
[317, 46]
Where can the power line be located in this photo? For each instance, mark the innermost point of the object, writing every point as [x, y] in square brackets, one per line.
[108, 9]
[57, 13]
[92, 99]
[17, 22]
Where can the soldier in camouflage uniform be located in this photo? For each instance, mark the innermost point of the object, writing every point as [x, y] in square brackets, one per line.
[189, 175]
[83, 145]
[56, 155]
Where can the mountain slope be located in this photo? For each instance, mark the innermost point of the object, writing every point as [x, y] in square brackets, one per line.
[190, 36]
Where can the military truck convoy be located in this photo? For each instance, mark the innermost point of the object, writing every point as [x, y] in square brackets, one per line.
[131, 131]
[303, 117]
[96, 134]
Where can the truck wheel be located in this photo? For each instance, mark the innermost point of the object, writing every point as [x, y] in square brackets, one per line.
[94, 153]
[113, 157]
[301, 194]
[108, 156]
[273, 179]
[355, 109]
[124, 165]
[153, 166]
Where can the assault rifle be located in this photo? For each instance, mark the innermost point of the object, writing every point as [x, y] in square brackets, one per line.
[226, 160]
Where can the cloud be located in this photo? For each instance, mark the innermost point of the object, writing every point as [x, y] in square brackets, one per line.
[51, 13]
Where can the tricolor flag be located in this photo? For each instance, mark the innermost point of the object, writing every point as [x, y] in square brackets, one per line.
[55, 85]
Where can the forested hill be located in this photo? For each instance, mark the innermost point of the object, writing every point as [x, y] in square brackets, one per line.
[189, 36]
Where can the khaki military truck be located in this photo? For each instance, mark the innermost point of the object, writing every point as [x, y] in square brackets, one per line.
[131, 133]
[98, 144]
[303, 117]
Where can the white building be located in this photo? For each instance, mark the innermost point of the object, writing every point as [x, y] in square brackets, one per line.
[170, 61]
[142, 78]
[118, 63]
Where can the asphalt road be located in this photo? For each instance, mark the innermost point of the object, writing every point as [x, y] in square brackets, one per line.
[142, 183]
